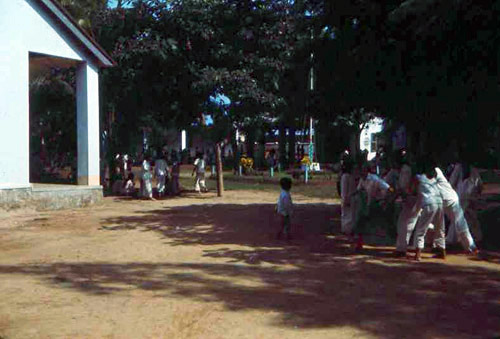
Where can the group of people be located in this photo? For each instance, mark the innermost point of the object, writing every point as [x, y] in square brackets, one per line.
[166, 170]
[411, 198]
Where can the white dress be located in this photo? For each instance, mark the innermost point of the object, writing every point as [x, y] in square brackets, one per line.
[161, 172]
[147, 180]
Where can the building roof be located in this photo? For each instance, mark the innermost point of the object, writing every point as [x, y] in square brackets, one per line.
[79, 36]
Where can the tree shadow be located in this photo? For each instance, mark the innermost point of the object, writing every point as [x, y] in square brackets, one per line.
[398, 300]
[314, 281]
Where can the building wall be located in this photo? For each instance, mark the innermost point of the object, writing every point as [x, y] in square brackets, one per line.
[22, 30]
[373, 127]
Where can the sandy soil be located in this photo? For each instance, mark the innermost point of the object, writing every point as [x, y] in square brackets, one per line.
[205, 267]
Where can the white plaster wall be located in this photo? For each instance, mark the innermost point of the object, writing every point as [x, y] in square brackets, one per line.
[24, 30]
[372, 127]
[87, 106]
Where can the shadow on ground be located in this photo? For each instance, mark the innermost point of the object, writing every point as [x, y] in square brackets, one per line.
[312, 282]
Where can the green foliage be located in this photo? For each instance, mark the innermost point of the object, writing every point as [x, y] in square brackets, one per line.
[53, 117]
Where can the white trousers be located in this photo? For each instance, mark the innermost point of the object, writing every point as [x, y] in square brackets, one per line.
[200, 182]
[161, 183]
[459, 228]
[346, 219]
[407, 221]
[147, 188]
[430, 214]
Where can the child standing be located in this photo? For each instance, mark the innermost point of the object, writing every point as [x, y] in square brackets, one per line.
[459, 228]
[430, 203]
[347, 189]
[199, 168]
[161, 173]
[469, 190]
[285, 207]
[146, 180]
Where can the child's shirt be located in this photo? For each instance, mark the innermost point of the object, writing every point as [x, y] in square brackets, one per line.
[200, 165]
[428, 192]
[146, 170]
[285, 204]
[129, 187]
[448, 194]
[161, 167]
[374, 186]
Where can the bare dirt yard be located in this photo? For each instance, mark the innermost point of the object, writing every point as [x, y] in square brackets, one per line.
[199, 266]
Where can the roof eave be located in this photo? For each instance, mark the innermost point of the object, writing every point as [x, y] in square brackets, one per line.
[91, 46]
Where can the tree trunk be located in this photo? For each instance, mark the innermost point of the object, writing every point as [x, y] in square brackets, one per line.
[236, 151]
[282, 143]
[218, 163]
[291, 146]
[354, 143]
[250, 142]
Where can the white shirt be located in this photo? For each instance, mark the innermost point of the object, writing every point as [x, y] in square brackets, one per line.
[374, 186]
[456, 175]
[200, 165]
[129, 187]
[428, 192]
[347, 187]
[285, 204]
[448, 194]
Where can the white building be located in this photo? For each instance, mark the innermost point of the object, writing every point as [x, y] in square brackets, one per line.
[368, 140]
[34, 34]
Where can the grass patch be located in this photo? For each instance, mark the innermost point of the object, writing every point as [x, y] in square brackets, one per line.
[318, 187]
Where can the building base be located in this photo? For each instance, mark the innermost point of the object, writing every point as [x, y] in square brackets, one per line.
[50, 197]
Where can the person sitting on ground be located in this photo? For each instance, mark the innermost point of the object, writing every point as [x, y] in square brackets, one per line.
[117, 180]
[129, 187]
[284, 208]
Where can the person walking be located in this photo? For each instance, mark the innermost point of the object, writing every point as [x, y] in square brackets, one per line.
[199, 169]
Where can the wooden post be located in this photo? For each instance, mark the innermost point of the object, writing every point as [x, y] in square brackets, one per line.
[218, 161]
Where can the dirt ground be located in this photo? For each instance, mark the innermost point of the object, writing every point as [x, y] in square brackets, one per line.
[199, 266]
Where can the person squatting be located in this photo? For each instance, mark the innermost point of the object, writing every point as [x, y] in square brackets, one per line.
[421, 194]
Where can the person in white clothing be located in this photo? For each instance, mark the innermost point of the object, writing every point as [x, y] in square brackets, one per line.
[456, 175]
[367, 204]
[407, 191]
[161, 173]
[146, 180]
[199, 169]
[129, 187]
[284, 208]
[348, 188]
[430, 204]
[453, 210]
[469, 190]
